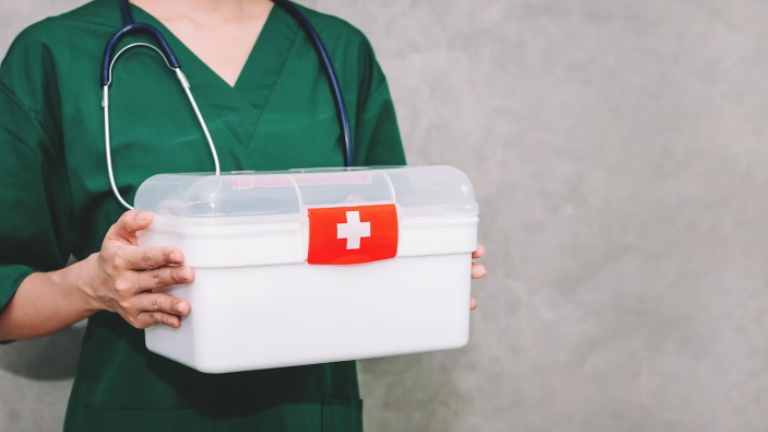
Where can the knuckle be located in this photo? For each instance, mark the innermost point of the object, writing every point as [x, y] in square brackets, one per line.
[120, 258]
[120, 261]
[123, 285]
[109, 258]
[169, 307]
[132, 321]
[125, 305]
[156, 277]
[146, 257]
[114, 273]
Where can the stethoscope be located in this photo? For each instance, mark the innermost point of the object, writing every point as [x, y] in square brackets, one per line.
[165, 51]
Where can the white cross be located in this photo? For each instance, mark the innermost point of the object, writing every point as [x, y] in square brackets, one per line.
[353, 230]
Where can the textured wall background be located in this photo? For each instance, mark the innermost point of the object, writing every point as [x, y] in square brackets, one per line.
[619, 149]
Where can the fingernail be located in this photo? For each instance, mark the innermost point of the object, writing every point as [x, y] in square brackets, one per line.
[176, 257]
[144, 216]
[184, 274]
[181, 308]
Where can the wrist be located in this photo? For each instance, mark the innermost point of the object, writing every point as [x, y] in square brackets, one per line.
[77, 280]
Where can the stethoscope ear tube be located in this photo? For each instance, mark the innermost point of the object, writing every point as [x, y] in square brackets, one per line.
[125, 12]
[109, 50]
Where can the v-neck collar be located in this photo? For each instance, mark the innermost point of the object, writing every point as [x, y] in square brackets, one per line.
[241, 105]
[179, 45]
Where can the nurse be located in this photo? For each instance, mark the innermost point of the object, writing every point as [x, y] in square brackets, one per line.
[260, 87]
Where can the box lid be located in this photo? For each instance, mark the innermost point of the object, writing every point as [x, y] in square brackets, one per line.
[319, 216]
[416, 190]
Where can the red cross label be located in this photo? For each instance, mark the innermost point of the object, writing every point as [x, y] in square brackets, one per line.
[352, 235]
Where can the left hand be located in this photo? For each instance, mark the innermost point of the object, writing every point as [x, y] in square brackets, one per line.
[478, 271]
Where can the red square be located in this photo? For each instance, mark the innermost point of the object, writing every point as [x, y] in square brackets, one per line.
[352, 235]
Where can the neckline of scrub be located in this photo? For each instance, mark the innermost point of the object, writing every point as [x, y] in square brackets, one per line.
[268, 24]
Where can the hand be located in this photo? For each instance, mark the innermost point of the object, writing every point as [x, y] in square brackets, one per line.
[125, 276]
[478, 272]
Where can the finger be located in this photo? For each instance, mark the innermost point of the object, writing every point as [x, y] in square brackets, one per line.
[161, 303]
[164, 276]
[479, 253]
[151, 258]
[472, 304]
[151, 319]
[478, 271]
[128, 225]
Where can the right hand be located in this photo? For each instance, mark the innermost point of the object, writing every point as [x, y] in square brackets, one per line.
[126, 276]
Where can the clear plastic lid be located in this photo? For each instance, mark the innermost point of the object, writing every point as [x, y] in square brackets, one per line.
[416, 190]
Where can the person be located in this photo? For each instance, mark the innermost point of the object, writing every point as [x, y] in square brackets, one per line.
[263, 94]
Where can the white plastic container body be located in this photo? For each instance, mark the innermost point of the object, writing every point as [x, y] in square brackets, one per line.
[258, 304]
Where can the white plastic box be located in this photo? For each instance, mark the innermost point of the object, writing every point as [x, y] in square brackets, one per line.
[280, 271]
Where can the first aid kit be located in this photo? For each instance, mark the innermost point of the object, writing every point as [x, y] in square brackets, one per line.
[312, 266]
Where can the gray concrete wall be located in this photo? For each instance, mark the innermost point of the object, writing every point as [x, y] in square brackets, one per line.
[620, 153]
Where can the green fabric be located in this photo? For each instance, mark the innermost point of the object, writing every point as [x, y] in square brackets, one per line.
[57, 201]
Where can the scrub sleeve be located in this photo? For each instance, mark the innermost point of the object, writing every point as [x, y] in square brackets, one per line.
[33, 192]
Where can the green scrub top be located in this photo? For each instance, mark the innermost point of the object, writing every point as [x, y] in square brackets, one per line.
[57, 202]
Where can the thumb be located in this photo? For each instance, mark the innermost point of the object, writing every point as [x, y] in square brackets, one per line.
[129, 224]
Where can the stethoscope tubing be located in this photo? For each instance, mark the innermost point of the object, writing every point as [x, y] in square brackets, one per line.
[330, 72]
[166, 52]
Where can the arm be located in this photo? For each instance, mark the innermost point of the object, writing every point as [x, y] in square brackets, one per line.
[46, 303]
[120, 278]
